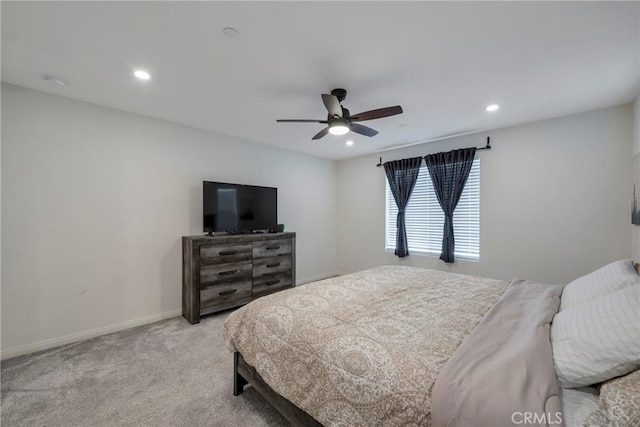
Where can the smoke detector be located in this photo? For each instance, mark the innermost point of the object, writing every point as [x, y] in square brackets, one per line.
[231, 32]
[54, 80]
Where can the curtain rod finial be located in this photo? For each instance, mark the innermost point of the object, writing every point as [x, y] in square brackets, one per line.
[486, 147]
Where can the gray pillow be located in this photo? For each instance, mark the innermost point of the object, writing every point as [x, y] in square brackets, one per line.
[608, 279]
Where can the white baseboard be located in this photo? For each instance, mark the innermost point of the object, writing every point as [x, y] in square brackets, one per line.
[315, 278]
[85, 335]
[92, 333]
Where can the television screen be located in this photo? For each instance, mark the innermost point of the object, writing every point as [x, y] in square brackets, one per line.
[239, 208]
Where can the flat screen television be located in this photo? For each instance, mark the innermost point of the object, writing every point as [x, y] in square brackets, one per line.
[236, 208]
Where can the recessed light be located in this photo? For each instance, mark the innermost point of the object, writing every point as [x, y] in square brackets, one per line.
[142, 75]
[55, 80]
[230, 32]
[349, 143]
[493, 107]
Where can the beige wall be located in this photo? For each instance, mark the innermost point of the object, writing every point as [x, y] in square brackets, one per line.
[95, 200]
[555, 198]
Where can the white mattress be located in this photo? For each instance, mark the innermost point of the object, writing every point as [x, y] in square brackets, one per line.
[578, 404]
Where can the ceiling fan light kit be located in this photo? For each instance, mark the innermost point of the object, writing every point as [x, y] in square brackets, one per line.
[340, 121]
[338, 127]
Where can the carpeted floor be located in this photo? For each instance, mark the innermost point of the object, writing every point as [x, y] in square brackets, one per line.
[168, 373]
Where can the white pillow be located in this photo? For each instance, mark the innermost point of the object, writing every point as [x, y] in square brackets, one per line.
[610, 278]
[599, 340]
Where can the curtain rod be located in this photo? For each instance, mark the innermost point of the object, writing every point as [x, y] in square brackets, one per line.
[486, 147]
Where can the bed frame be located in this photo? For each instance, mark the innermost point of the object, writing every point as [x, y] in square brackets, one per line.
[244, 374]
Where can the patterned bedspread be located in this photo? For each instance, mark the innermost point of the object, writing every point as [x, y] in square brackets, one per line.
[362, 349]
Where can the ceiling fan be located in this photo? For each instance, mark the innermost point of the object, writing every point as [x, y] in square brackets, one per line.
[340, 121]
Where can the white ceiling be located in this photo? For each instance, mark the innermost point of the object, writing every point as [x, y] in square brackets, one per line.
[443, 62]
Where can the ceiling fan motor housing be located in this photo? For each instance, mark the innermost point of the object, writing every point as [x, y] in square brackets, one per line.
[345, 115]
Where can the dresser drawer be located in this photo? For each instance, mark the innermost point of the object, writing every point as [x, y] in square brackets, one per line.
[271, 248]
[221, 254]
[219, 273]
[271, 283]
[220, 294]
[271, 265]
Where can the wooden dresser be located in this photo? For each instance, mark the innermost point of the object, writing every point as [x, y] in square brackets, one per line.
[220, 272]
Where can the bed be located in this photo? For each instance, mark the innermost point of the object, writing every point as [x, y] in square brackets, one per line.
[399, 345]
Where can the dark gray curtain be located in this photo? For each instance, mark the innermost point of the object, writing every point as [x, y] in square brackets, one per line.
[402, 176]
[449, 172]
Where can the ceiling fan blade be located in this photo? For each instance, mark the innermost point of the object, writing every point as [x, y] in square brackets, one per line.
[322, 133]
[377, 114]
[333, 105]
[362, 130]
[300, 121]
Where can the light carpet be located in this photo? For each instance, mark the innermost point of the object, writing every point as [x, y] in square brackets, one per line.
[168, 373]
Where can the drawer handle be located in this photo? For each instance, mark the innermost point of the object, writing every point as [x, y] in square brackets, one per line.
[227, 273]
[227, 252]
[273, 265]
[229, 292]
[272, 282]
[273, 248]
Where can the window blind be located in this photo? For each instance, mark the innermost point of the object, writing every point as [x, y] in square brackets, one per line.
[425, 219]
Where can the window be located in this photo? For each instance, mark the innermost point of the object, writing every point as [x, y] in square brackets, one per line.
[425, 219]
